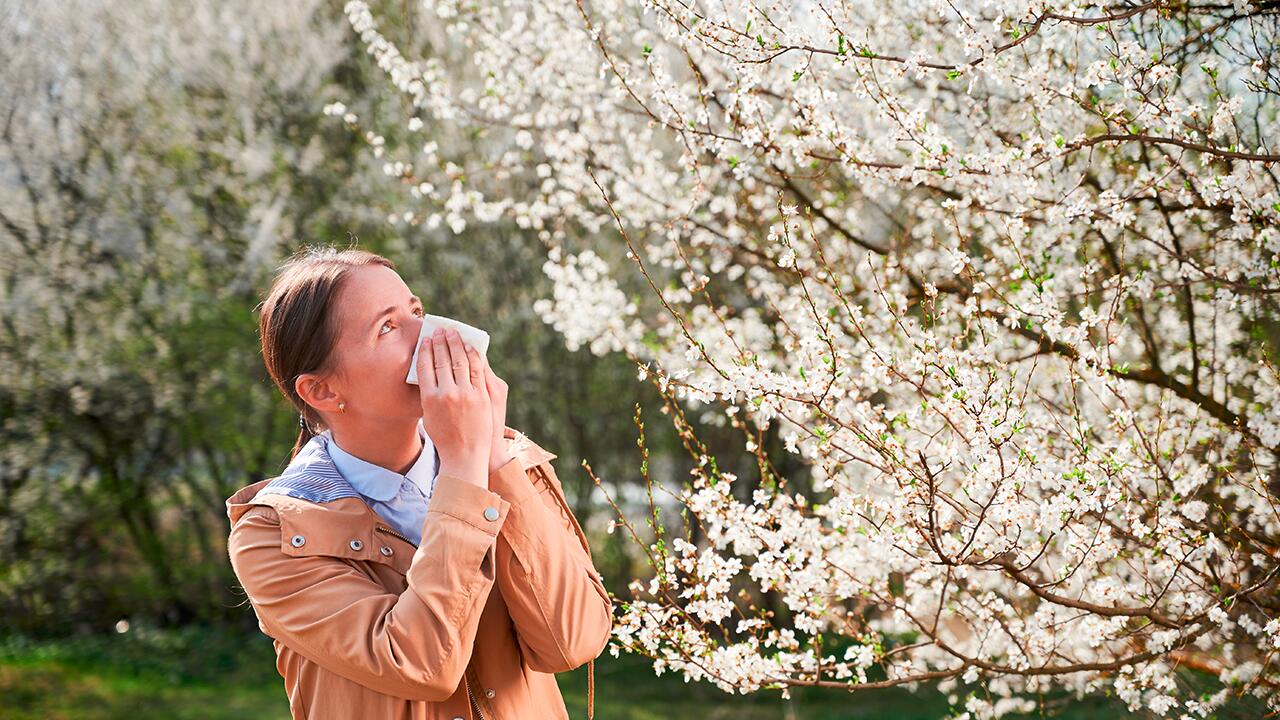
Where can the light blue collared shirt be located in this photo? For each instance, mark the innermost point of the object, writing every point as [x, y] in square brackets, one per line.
[399, 499]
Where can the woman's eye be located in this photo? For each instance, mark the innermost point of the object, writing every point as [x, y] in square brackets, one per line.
[418, 311]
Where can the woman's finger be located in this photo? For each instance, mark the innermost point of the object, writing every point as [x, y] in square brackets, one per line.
[458, 359]
[492, 381]
[476, 366]
[440, 363]
[426, 365]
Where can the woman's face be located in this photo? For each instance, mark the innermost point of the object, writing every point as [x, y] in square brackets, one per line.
[378, 321]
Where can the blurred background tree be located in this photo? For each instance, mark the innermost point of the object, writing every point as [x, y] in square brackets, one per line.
[1002, 275]
[158, 160]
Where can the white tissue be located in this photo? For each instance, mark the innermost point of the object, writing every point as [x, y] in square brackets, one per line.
[473, 336]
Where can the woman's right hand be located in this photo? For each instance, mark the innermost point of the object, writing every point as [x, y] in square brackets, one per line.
[456, 411]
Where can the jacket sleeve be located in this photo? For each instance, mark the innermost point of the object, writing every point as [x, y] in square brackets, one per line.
[414, 645]
[558, 603]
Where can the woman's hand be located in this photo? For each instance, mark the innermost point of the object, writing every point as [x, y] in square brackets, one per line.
[499, 455]
[456, 411]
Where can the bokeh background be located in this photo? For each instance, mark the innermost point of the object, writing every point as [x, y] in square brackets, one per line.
[158, 160]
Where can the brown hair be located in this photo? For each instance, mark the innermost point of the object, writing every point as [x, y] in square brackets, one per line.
[296, 326]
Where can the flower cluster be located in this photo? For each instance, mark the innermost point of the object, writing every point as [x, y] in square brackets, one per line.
[1003, 278]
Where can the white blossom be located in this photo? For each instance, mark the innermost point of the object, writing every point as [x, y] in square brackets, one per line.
[998, 279]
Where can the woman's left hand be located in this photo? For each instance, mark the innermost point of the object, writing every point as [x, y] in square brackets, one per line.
[498, 452]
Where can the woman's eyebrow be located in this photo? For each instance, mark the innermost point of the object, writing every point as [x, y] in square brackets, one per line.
[392, 309]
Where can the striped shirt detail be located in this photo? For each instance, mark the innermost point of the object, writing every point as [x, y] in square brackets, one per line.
[311, 475]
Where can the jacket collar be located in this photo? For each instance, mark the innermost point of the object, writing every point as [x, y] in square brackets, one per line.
[311, 483]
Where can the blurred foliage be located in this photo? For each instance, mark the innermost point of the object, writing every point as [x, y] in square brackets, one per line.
[208, 672]
[133, 399]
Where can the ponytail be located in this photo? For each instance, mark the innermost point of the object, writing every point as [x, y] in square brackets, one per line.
[304, 435]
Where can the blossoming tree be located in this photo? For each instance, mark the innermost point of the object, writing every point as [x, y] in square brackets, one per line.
[1003, 274]
[155, 156]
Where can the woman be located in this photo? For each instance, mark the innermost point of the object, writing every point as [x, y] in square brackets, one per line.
[416, 559]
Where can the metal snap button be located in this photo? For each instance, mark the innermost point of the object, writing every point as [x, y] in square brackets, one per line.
[490, 513]
[459, 717]
[298, 540]
[489, 692]
[385, 550]
[356, 544]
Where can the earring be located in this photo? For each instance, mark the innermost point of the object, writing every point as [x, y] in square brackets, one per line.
[342, 407]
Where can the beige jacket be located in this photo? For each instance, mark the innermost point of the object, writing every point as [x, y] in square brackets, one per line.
[501, 594]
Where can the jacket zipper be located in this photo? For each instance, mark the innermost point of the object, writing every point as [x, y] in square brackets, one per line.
[393, 532]
[474, 703]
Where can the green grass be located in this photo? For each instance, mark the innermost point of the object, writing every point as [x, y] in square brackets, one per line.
[192, 673]
[626, 688]
[213, 673]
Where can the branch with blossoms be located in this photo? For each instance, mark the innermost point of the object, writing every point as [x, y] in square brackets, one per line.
[931, 536]
[1004, 280]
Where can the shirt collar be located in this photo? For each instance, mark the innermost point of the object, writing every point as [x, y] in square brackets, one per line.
[377, 482]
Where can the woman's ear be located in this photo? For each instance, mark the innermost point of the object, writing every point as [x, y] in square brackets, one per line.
[317, 392]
